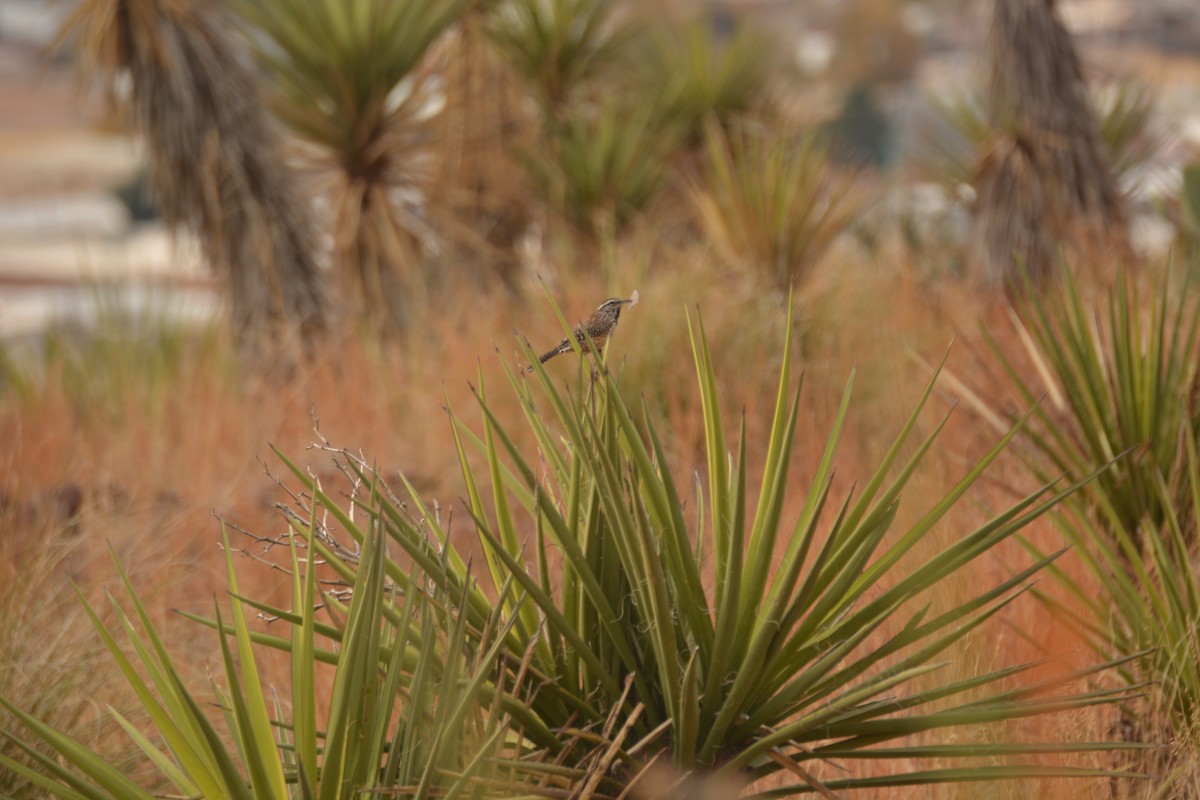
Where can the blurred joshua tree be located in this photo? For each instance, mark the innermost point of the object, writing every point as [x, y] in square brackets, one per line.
[1044, 179]
[347, 83]
[214, 162]
[1125, 119]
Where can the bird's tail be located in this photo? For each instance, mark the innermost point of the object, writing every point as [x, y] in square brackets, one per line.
[547, 356]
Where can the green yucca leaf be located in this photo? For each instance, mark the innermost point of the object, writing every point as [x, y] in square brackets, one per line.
[161, 760]
[258, 637]
[356, 683]
[52, 787]
[304, 657]
[106, 778]
[1190, 198]
[694, 76]
[560, 624]
[232, 703]
[253, 717]
[182, 734]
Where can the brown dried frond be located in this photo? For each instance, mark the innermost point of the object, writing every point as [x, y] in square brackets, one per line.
[108, 33]
[214, 161]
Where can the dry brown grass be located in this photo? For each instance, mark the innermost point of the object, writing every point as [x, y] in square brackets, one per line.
[153, 473]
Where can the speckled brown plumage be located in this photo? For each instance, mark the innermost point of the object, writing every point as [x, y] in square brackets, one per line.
[599, 326]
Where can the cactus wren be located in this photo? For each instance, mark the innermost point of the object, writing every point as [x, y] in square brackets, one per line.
[599, 326]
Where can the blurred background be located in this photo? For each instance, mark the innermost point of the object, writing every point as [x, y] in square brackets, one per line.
[889, 82]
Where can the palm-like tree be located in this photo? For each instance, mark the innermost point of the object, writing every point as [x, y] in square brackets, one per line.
[347, 82]
[215, 166]
[1046, 178]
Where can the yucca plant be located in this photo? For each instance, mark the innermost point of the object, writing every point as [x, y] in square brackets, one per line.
[1125, 115]
[773, 202]
[214, 158]
[693, 76]
[600, 167]
[406, 712]
[1148, 603]
[1186, 214]
[1120, 394]
[560, 46]
[790, 659]
[345, 80]
[1139, 594]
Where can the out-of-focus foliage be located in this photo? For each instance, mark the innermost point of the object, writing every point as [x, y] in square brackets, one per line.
[773, 202]
[214, 161]
[1045, 183]
[1125, 118]
[346, 79]
[693, 72]
[1187, 218]
[1118, 395]
[600, 169]
[877, 47]
[561, 46]
[480, 199]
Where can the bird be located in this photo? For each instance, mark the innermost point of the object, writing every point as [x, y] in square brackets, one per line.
[599, 326]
